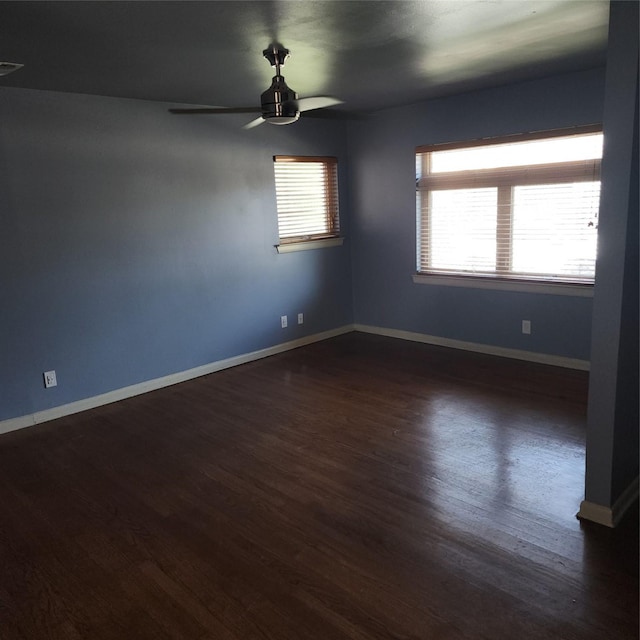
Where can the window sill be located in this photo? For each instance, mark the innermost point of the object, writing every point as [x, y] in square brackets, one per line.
[526, 286]
[306, 245]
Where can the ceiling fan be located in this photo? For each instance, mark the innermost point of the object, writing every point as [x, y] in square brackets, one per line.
[279, 103]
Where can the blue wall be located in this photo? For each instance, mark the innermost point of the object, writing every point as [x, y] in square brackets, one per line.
[136, 244]
[612, 415]
[383, 218]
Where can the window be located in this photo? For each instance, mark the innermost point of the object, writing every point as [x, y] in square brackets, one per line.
[523, 209]
[307, 198]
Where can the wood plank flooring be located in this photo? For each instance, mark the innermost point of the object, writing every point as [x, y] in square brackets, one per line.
[361, 488]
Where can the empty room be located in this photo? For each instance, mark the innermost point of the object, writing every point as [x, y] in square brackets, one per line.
[368, 374]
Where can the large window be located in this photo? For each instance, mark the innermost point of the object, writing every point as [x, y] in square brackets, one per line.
[521, 209]
[307, 198]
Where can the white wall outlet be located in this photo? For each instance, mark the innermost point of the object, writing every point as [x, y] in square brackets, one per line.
[283, 321]
[526, 327]
[50, 379]
[301, 318]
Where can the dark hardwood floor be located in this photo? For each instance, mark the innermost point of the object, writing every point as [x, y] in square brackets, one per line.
[360, 488]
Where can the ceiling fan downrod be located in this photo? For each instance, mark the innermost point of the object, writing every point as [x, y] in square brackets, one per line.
[279, 102]
[276, 54]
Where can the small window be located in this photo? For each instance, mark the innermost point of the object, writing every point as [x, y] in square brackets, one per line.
[525, 209]
[307, 198]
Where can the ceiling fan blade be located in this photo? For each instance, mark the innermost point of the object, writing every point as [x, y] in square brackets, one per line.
[216, 110]
[254, 123]
[333, 114]
[317, 102]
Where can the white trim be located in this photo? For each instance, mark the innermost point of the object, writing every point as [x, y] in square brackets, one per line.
[526, 286]
[609, 516]
[517, 354]
[595, 513]
[29, 420]
[305, 245]
[158, 383]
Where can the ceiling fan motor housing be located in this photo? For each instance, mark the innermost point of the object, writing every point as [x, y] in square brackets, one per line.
[279, 103]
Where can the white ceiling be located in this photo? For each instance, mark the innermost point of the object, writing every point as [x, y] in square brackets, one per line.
[372, 54]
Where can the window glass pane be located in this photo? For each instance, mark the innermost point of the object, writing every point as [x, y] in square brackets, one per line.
[519, 154]
[524, 210]
[462, 229]
[555, 229]
[306, 198]
[301, 200]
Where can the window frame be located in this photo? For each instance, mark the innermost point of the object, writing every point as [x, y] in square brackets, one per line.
[502, 278]
[311, 240]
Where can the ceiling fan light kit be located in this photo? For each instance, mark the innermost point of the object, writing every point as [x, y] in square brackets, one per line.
[279, 104]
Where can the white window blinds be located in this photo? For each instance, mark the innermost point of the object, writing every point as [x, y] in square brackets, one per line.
[307, 197]
[526, 209]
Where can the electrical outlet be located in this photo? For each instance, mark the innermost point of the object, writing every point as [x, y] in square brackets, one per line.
[50, 379]
[283, 321]
[526, 327]
[300, 318]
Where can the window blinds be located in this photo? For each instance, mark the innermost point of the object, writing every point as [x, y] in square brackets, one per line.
[307, 197]
[525, 209]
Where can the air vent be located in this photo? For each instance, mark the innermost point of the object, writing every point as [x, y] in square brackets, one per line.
[8, 67]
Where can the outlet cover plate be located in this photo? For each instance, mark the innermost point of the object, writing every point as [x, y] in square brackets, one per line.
[50, 379]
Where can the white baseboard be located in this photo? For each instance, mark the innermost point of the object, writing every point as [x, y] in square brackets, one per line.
[158, 383]
[29, 420]
[609, 516]
[518, 354]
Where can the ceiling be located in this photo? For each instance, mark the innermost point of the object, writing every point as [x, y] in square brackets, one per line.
[371, 54]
